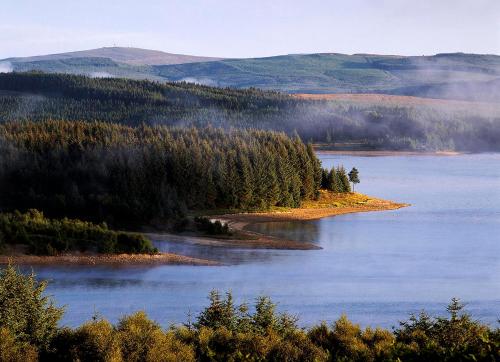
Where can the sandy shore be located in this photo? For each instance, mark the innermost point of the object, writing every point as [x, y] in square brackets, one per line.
[256, 240]
[328, 205]
[104, 259]
[337, 205]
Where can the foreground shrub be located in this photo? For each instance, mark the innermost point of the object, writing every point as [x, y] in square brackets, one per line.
[224, 331]
[14, 350]
[24, 309]
[348, 341]
[424, 337]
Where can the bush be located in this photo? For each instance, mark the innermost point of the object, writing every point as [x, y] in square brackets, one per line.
[96, 341]
[29, 315]
[143, 340]
[226, 332]
[212, 227]
[46, 236]
[13, 350]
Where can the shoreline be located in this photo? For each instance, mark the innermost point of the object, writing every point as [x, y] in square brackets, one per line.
[327, 206]
[105, 259]
[310, 211]
[261, 241]
[381, 153]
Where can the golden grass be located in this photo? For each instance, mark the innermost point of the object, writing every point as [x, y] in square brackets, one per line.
[328, 204]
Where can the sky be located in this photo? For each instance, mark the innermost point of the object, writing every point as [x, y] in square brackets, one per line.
[251, 28]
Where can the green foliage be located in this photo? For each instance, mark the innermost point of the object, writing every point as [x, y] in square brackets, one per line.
[51, 236]
[211, 227]
[92, 341]
[409, 125]
[335, 180]
[455, 76]
[132, 176]
[227, 332]
[14, 350]
[354, 176]
[447, 339]
[29, 315]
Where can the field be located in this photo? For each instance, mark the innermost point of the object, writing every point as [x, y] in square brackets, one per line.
[389, 100]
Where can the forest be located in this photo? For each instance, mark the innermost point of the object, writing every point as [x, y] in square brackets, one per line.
[44, 236]
[226, 331]
[423, 126]
[131, 176]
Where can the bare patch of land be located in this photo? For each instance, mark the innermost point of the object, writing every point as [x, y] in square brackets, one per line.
[397, 100]
[104, 259]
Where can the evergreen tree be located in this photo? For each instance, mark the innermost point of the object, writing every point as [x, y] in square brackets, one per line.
[25, 310]
[354, 177]
[344, 180]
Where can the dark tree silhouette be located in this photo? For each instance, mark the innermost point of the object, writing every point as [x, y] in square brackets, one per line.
[354, 177]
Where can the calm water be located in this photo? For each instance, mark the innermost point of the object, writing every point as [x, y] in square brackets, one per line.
[376, 267]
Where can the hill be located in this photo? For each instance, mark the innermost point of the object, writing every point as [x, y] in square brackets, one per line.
[360, 121]
[132, 56]
[448, 76]
[453, 76]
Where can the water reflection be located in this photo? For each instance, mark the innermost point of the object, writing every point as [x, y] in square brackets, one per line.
[291, 230]
[376, 267]
[225, 255]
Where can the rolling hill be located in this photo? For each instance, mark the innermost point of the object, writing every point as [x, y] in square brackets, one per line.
[131, 56]
[343, 121]
[450, 76]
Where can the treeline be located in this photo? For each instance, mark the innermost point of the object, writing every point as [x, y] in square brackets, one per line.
[46, 236]
[224, 331]
[130, 176]
[373, 125]
[335, 180]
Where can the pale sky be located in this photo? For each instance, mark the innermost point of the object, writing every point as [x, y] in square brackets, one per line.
[251, 28]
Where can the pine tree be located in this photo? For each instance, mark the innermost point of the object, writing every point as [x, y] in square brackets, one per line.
[344, 180]
[354, 177]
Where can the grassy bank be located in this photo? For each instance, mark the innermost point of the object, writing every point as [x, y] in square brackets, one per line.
[327, 204]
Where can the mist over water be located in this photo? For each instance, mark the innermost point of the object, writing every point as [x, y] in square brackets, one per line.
[375, 267]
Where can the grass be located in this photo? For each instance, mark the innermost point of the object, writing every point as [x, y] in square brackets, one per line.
[328, 199]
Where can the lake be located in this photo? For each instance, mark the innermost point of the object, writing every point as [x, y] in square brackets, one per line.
[376, 267]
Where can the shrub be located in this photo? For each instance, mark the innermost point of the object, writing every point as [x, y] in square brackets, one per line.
[13, 350]
[96, 341]
[46, 236]
[212, 227]
[25, 311]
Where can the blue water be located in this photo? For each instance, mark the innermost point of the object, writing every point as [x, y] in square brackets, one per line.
[375, 267]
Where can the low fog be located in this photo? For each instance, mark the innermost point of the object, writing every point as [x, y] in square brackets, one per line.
[6, 67]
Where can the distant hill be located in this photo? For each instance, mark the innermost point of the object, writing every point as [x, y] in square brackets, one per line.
[449, 76]
[343, 121]
[454, 76]
[131, 56]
